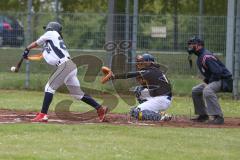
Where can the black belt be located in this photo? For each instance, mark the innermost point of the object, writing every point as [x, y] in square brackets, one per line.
[59, 62]
[228, 77]
[169, 96]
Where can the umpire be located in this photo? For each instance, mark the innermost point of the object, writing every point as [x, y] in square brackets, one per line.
[216, 79]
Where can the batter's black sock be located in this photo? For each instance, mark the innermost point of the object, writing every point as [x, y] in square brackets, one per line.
[46, 102]
[89, 100]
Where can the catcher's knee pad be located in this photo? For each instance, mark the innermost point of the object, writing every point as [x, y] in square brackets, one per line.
[49, 89]
[141, 94]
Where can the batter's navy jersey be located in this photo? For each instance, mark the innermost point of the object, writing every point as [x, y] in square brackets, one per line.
[54, 48]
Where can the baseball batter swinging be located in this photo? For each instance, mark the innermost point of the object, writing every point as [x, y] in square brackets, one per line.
[55, 53]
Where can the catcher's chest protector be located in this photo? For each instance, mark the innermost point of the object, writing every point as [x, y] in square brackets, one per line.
[157, 82]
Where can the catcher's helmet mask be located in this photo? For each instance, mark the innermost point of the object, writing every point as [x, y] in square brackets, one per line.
[144, 60]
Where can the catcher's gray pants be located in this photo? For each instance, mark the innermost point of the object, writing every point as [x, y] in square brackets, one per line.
[205, 99]
[66, 73]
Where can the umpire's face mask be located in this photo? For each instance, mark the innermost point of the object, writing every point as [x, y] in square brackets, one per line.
[192, 49]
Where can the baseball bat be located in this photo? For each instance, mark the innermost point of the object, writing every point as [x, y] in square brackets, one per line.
[19, 64]
[35, 57]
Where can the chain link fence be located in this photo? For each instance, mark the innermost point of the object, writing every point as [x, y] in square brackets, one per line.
[164, 36]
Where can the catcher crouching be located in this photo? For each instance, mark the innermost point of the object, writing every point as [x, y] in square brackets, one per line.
[154, 93]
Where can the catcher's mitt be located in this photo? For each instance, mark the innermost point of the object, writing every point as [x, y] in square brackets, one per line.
[108, 74]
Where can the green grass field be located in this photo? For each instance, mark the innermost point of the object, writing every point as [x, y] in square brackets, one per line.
[32, 101]
[71, 142]
[103, 141]
[181, 84]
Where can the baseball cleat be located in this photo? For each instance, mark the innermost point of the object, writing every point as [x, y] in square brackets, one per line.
[200, 118]
[217, 120]
[165, 116]
[102, 111]
[40, 117]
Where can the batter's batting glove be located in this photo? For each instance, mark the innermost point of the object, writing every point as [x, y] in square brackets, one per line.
[25, 53]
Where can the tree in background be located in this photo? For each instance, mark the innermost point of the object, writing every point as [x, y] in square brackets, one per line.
[81, 30]
[186, 7]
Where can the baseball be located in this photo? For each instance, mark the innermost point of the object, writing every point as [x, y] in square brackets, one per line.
[13, 69]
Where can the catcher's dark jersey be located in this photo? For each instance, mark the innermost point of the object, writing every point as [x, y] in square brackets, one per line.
[153, 78]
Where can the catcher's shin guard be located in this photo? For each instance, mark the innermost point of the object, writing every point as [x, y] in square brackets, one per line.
[148, 115]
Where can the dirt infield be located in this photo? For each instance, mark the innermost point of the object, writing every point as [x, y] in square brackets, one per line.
[12, 116]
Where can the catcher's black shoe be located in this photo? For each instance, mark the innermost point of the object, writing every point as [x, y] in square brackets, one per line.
[217, 120]
[200, 118]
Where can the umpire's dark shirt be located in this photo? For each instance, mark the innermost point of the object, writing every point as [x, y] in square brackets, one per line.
[211, 67]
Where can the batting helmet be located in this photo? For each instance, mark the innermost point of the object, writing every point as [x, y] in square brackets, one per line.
[53, 26]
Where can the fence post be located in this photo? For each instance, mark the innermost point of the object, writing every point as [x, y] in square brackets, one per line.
[237, 54]
[110, 28]
[57, 10]
[134, 35]
[175, 24]
[29, 18]
[200, 21]
[230, 35]
[127, 20]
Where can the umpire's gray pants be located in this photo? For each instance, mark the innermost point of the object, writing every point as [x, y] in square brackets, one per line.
[205, 99]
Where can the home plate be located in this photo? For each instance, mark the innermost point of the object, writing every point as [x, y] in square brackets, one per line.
[56, 120]
[14, 115]
[8, 122]
[141, 124]
[17, 120]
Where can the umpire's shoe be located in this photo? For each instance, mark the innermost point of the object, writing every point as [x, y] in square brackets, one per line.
[102, 111]
[217, 120]
[200, 118]
[40, 117]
